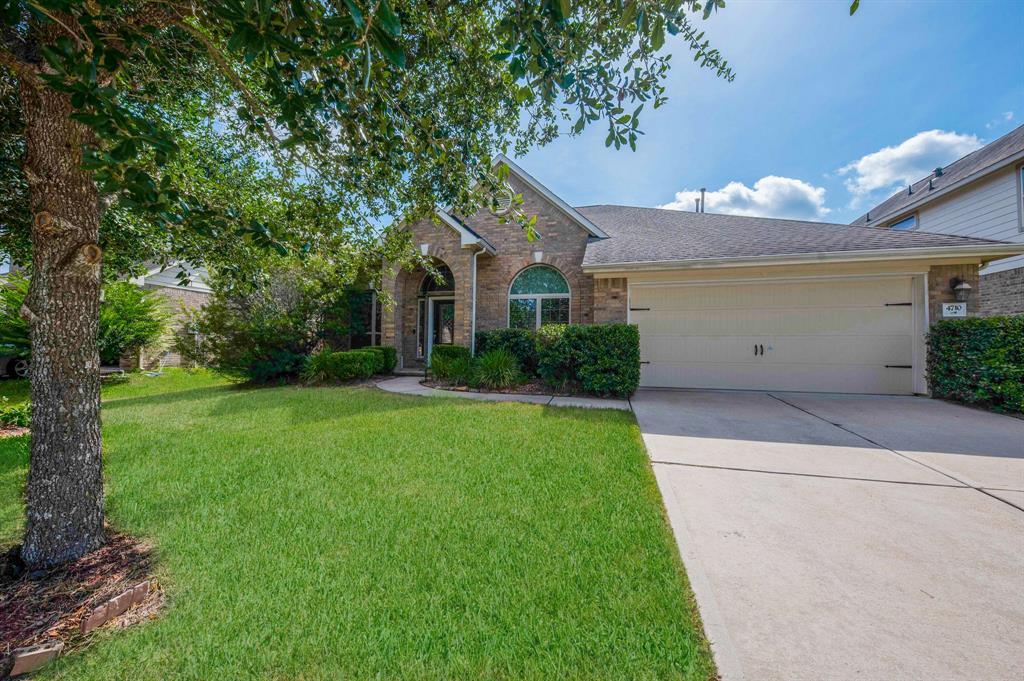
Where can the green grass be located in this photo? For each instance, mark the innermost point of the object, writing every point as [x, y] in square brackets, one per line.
[336, 533]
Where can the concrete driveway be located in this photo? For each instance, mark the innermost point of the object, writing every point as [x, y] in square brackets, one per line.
[846, 536]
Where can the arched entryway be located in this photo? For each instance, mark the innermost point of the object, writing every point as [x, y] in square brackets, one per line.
[435, 311]
[429, 311]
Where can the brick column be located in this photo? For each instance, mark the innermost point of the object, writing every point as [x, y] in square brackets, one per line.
[939, 291]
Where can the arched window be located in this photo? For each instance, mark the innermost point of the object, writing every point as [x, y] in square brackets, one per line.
[431, 285]
[539, 295]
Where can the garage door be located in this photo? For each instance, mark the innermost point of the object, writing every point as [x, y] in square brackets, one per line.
[854, 336]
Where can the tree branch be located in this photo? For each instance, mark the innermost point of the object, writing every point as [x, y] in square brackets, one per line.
[18, 66]
[222, 64]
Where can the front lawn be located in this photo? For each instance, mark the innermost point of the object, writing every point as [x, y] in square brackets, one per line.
[328, 533]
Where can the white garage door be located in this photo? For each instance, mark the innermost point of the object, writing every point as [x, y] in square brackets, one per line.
[852, 336]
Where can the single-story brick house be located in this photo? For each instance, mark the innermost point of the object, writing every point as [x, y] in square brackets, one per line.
[721, 301]
[184, 288]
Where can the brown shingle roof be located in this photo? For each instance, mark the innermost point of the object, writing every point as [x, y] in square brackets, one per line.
[659, 235]
[990, 157]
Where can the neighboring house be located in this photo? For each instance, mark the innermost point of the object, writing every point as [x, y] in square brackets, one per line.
[720, 301]
[165, 281]
[980, 195]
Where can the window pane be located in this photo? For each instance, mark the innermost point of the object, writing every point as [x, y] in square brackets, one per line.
[541, 279]
[522, 314]
[554, 311]
[908, 223]
[421, 327]
[432, 285]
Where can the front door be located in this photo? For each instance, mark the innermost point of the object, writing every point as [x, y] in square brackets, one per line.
[442, 323]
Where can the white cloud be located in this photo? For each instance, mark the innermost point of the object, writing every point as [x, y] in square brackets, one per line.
[770, 197]
[907, 162]
[1005, 117]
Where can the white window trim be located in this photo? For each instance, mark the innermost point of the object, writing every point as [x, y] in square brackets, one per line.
[1020, 198]
[536, 296]
[913, 216]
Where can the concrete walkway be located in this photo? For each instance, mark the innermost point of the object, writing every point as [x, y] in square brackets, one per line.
[410, 385]
[834, 537]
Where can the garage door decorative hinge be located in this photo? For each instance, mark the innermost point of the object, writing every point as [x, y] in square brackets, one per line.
[899, 304]
[899, 366]
[645, 362]
[639, 309]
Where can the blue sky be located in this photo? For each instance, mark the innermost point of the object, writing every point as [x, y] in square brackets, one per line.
[828, 113]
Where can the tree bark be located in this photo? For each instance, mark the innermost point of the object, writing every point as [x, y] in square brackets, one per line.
[64, 495]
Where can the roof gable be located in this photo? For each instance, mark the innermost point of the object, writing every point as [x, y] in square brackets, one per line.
[551, 197]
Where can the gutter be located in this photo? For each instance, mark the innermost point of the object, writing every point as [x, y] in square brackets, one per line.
[984, 252]
[472, 330]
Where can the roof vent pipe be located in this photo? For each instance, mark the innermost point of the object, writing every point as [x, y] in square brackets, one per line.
[910, 189]
[702, 190]
[696, 206]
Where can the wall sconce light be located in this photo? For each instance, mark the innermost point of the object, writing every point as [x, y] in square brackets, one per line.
[960, 288]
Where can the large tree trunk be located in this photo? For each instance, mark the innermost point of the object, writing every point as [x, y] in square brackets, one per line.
[64, 496]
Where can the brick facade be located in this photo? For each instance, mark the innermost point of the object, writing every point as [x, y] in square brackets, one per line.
[177, 300]
[561, 245]
[611, 301]
[939, 291]
[1003, 292]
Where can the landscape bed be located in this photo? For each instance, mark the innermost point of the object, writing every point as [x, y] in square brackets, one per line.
[343, 532]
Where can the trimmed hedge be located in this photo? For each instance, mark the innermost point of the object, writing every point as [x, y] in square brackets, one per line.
[389, 357]
[978, 361]
[325, 365]
[600, 359]
[519, 343]
[448, 352]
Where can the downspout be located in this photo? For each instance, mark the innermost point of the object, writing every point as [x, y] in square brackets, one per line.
[472, 331]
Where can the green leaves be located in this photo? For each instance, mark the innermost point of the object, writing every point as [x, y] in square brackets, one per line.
[854, 6]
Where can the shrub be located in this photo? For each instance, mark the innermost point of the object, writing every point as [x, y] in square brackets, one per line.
[319, 366]
[555, 363]
[13, 328]
[451, 363]
[388, 357]
[519, 342]
[978, 361]
[497, 369]
[600, 359]
[131, 318]
[448, 352]
[355, 364]
[263, 332]
[325, 365]
[19, 414]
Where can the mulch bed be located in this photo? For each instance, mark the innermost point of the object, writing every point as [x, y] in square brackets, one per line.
[51, 605]
[12, 431]
[531, 387]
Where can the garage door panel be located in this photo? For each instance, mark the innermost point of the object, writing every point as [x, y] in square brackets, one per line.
[841, 350]
[853, 293]
[804, 377]
[743, 321]
[827, 335]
